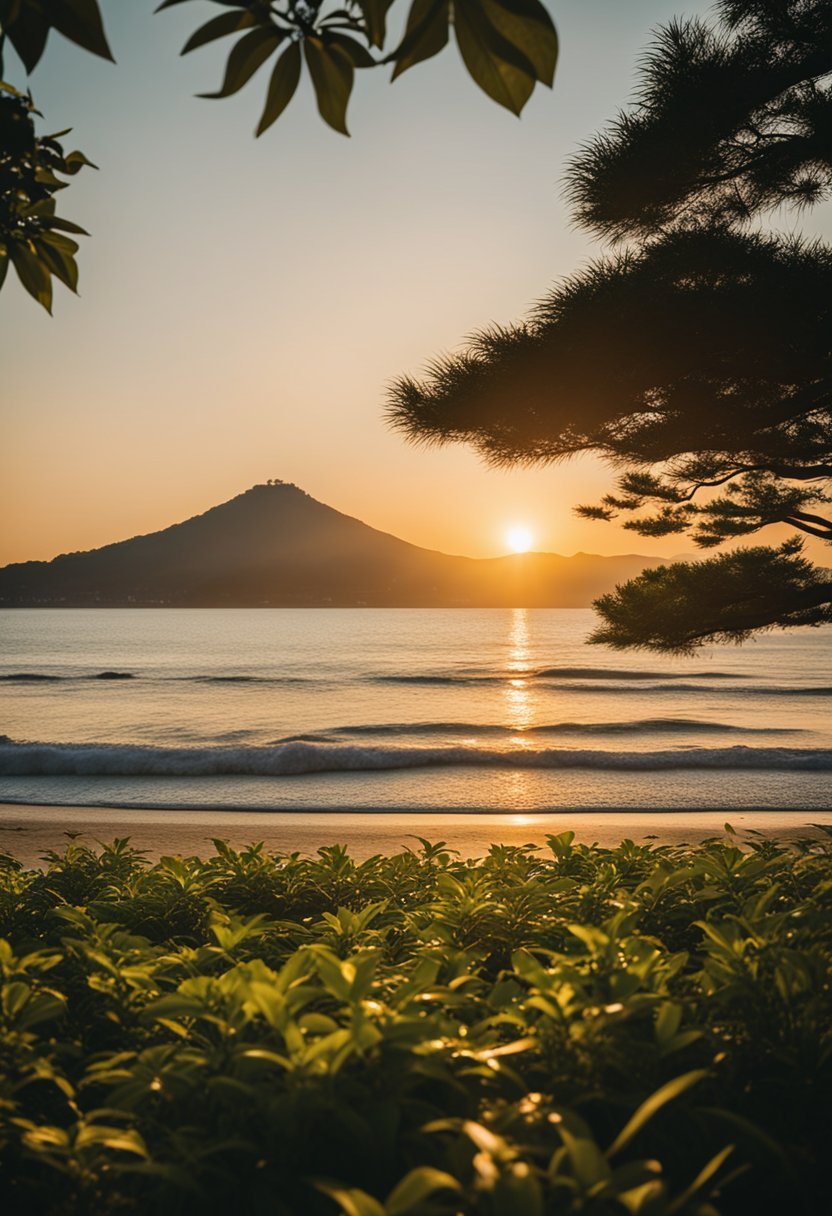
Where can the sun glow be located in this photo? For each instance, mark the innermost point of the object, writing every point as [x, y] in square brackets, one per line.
[519, 539]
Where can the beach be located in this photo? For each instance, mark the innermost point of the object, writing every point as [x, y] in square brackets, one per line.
[28, 832]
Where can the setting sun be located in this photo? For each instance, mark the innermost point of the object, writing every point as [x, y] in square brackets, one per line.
[519, 539]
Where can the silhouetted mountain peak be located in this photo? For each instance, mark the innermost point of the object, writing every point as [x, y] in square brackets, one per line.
[276, 545]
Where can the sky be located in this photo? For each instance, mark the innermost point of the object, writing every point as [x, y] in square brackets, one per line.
[244, 303]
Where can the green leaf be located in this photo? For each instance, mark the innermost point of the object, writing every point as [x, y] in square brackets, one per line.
[217, 27]
[666, 1093]
[375, 19]
[32, 274]
[247, 55]
[425, 35]
[119, 1139]
[75, 161]
[332, 76]
[527, 24]
[27, 31]
[701, 1180]
[357, 54]
[80, 22]
[351, 1201]
[56, 253]
[415, 1187]
[499, 68]
[55, 221]
[282, 86]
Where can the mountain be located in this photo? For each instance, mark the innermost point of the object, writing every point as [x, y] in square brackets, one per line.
[274, 545]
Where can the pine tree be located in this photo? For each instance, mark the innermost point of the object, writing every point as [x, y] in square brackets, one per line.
[697, 357]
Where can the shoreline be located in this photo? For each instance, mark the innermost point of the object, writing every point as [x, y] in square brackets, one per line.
[27, 831]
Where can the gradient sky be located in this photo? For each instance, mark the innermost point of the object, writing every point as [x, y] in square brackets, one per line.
[244, 302]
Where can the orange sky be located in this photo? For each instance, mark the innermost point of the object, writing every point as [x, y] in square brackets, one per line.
[245, 302]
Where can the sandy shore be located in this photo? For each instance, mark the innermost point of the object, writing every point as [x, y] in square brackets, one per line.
[27, 832]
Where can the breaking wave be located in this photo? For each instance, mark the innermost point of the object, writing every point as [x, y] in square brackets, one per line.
[684, 726]
[299, 758]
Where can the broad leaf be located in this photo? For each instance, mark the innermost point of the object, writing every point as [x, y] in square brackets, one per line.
[375, 18]
[217, 27]
[247, 55]
[332, 76]
[27, 31]
[282, 86]
[351, 1201]
[416, 1187]
[527, 24]
[57, 254]
[32, 274]
[357, 54]
[425, 35]
[653, 1104]
[80, 22]
[495, 64]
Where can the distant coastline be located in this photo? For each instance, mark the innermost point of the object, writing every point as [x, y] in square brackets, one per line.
[276, 547]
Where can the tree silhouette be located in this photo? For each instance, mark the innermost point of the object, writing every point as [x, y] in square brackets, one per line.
[507, 48]
[698, 359]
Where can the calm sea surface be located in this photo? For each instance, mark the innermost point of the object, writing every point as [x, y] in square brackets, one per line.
[374, 709]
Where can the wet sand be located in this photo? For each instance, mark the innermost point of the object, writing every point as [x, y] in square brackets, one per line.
[27, 832]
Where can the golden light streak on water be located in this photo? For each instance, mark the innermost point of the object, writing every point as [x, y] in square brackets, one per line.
[520, 708]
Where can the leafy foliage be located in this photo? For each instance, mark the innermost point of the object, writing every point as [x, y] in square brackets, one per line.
[642, 1030]
[507, 46]
[697, 361]
[32, 237]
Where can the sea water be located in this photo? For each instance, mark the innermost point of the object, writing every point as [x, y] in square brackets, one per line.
[404, 710]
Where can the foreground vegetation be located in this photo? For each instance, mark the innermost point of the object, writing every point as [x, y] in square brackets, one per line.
[637, 1030]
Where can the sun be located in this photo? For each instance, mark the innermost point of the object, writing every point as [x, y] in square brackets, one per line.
[519, 538]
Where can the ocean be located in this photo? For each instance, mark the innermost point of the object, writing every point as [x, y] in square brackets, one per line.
[401, 710]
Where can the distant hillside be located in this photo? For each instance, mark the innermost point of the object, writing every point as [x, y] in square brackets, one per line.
[276, 546]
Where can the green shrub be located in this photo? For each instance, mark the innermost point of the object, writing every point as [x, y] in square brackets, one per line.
[641, 1030]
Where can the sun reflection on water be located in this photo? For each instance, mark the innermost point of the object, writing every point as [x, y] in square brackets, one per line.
[520, 712]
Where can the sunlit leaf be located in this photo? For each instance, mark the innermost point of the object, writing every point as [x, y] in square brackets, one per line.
[416, 1187]
[666, 1093]
[352, 1201]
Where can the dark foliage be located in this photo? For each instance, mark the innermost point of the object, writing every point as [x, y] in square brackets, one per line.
[698, 362]
[727, 122]
[507, 47]
[32, 237]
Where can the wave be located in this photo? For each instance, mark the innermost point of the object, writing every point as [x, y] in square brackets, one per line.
[607, 673]
[549, 673]
[574, 679]
[250, 679]
[601, 687]
[636, 726]
[38, 677]
[297, 759]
